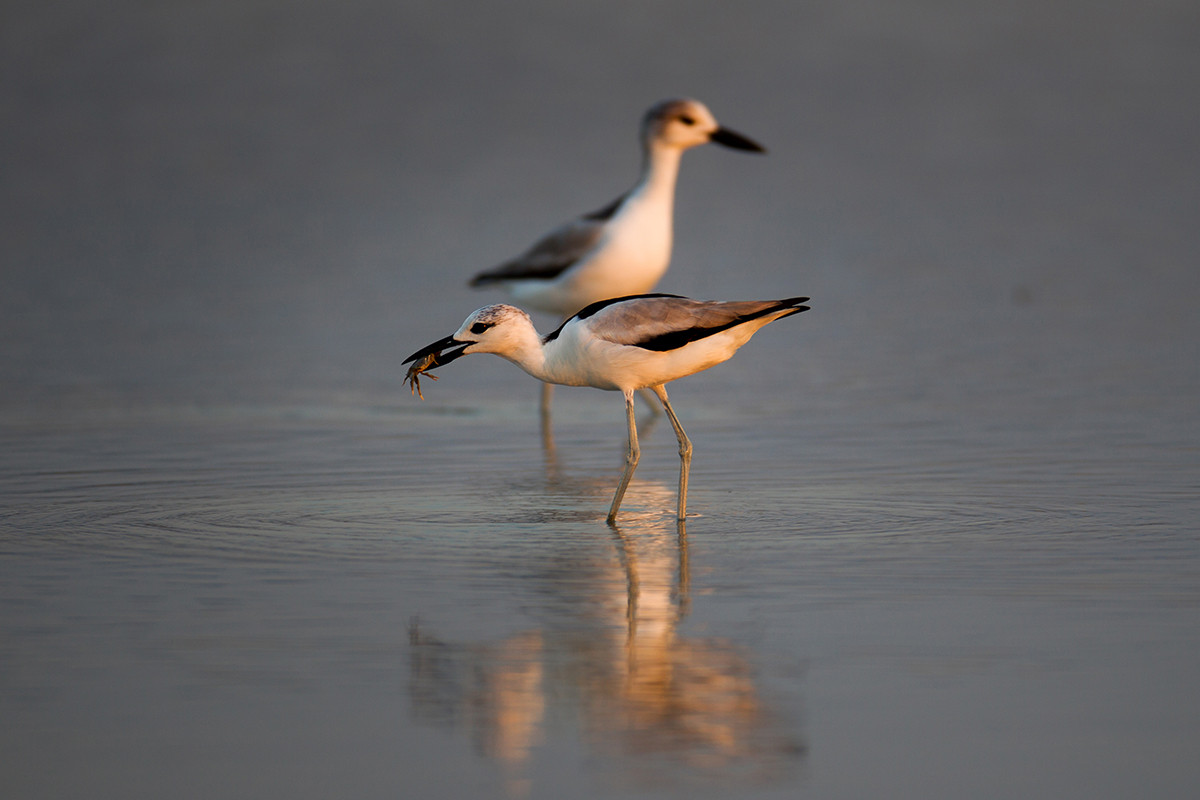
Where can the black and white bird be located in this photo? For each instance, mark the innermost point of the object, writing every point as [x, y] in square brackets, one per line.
[622, 344]
[623, 248]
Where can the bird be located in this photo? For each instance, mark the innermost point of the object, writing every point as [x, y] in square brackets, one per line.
[623, 248]
[621, 344]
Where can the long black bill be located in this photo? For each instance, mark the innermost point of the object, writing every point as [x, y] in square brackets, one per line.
[735, 140]
[440, 358]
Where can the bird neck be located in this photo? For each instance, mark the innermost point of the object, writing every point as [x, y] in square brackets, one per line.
[528, 353]
[660, 168]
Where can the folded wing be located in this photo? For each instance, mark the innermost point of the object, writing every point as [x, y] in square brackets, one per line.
[551, 255]
[668, 323]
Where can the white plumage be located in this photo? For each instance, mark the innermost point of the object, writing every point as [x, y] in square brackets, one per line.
[624, 344]
[623, 248]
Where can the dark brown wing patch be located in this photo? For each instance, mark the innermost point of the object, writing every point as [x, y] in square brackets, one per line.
[554, 254]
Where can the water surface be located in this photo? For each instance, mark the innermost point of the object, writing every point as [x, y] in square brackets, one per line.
[943, 537]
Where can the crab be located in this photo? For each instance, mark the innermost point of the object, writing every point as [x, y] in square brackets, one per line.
[419, 368]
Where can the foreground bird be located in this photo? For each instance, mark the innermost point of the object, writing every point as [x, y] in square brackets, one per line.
[623, 344]
[623, 248]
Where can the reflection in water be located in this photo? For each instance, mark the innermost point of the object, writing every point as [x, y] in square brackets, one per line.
[497, 693]
[643, 693]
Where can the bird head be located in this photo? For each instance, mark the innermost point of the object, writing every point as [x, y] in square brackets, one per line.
[499, 328]
[684, 123]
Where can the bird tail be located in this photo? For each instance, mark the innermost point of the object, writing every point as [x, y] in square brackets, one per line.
[793, 305]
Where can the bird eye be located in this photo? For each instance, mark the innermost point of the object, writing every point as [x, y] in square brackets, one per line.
[686, 120]
[479, 327]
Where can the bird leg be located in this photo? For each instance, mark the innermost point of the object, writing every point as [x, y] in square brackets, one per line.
[544, 407]
[631, 459]
[547, 423]
[685, 449]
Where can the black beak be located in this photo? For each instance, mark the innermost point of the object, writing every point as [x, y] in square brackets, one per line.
[729, 138]
[440, 358]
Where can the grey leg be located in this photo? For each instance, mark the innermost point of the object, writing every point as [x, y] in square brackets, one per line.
[547, 425]
[685, 449]
[631, 459]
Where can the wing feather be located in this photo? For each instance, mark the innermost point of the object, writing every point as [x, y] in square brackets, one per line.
[668, 323]
[551, 255]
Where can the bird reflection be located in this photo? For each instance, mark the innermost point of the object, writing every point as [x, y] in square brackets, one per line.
[643, 690]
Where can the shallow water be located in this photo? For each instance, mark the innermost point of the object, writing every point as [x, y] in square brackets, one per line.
[943, 535]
